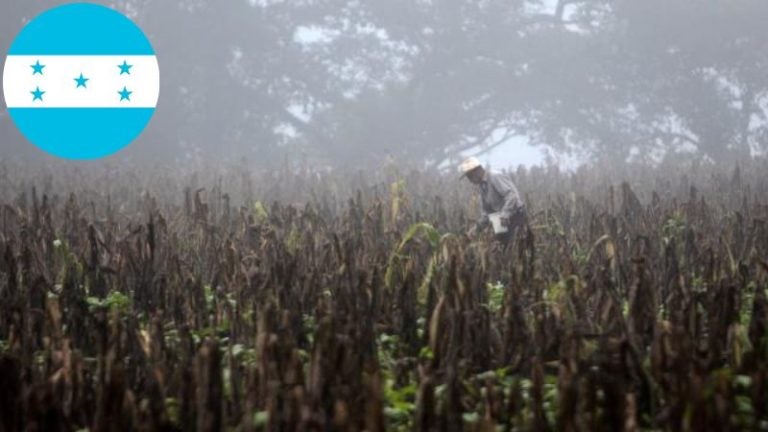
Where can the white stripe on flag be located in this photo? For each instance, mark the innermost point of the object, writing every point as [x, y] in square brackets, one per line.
[100, 91]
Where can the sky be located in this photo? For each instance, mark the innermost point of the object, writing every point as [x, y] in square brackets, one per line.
[514, 152]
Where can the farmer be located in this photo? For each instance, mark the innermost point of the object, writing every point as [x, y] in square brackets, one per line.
[499, 195]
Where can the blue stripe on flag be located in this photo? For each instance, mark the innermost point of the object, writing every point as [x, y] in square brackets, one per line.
[81, 133]
[81, 29]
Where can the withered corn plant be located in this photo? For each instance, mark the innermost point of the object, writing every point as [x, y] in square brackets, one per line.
[300, 300]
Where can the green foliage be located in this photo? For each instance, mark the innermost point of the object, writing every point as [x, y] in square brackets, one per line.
[740, 343]
[673, 227]
[115, 301]
[209, 294]
[245, 355]
[495, 296]
[260, 214]
[260, 420]
[399, 404]
[470, 418]
[579, 256]
[396, 257]
[293, 241]
[217, 331]
[399, 401]
[388, 346]
[427, 230]
[172, 410]
[397, 199]
[747, 303]
[309, 325]
[426, 353]
[423, 290]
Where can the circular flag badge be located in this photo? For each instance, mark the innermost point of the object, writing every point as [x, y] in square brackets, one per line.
[81, 81]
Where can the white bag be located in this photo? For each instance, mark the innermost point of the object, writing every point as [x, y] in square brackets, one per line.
[498, 227]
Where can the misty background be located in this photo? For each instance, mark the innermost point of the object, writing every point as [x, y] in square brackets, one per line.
[358, 82]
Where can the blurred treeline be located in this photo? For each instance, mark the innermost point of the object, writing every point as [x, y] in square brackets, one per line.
[349, 81]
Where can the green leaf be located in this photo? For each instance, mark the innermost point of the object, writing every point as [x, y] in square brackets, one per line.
[470, 417]
[426, 353]
[393, 264]
[260, 419]
[260, 214]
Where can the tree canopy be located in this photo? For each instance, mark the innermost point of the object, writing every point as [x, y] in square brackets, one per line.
[353, 81]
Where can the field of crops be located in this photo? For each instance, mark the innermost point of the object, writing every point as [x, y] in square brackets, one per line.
[353, 300]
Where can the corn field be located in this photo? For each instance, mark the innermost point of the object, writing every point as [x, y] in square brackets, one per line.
[302, 300]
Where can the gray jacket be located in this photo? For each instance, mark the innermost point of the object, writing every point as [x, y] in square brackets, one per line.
[498, 194]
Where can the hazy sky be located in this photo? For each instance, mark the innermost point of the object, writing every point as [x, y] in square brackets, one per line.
[513, 153]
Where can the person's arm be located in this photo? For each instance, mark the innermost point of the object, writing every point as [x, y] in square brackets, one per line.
[480, 223]
[504, 186]
[483, 220]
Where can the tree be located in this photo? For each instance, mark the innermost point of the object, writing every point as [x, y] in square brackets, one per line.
[230, 75]
[345, 81]
[436, 77]
[664, 75]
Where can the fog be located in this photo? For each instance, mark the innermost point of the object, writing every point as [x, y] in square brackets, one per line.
[305, 237]
[350, 82]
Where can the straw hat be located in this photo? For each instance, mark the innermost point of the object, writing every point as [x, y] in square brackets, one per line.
[468, 165]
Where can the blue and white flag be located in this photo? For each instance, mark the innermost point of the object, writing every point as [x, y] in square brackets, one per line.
[81, 81]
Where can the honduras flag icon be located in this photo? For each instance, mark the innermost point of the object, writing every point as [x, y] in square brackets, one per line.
[81, 81]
